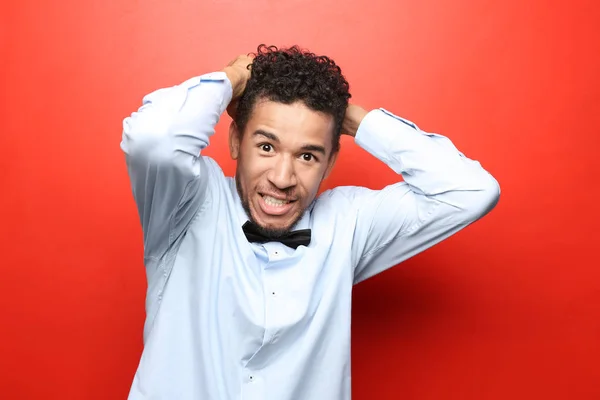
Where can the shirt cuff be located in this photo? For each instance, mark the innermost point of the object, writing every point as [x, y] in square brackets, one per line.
[379, 131]
[221, 84]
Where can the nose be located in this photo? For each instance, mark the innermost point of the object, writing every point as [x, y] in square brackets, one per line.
[283, 175]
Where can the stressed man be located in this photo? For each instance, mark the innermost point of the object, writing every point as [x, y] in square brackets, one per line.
[250, 277]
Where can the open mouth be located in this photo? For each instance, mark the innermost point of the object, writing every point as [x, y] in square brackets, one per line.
[272, 201]
[275, 206]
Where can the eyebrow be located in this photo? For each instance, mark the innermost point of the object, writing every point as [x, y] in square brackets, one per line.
[274, 138]
[314, 147]
[268, 135]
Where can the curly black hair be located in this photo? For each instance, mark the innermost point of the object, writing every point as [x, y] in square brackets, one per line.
[290, 74]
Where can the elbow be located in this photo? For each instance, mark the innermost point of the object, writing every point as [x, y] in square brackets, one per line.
[143, 138]
[485, 199]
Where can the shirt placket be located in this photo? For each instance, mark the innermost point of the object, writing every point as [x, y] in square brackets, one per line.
[253, 379]
[274, 308]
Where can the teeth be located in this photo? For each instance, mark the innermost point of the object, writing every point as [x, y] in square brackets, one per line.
[275, 202]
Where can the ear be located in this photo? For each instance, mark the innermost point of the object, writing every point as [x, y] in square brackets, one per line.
[330, 163]
[234, 141]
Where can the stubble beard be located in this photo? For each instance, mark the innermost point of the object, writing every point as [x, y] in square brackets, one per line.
[268, 232]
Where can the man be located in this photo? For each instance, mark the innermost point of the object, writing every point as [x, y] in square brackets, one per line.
[250, 278]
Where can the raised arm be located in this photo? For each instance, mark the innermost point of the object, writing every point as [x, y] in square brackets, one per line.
[443, 191]
[163, 142]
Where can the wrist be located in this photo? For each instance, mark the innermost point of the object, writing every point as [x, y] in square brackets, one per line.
[352, 120]
[238, 82]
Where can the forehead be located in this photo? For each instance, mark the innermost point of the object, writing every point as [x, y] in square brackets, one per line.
[292, 123]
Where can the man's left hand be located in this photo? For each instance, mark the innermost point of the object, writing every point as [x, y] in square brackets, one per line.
[353, 118]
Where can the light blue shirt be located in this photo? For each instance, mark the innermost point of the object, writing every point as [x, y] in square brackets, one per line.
[232, 320]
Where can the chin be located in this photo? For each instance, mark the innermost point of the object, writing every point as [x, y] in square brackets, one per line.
[276, 225]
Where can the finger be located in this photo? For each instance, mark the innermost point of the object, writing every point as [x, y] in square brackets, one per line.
[232, 108]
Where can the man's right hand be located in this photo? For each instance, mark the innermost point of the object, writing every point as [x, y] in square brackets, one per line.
[238, 72]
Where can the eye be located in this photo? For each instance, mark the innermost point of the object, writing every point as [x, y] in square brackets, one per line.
[266, 147]
[308, 157]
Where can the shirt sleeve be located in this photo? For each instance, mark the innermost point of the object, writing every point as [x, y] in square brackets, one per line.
[442, 192]
[162, 143]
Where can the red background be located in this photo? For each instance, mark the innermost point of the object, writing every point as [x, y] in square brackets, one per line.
[506, 309]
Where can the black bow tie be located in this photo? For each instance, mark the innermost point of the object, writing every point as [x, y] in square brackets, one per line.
[291, 239]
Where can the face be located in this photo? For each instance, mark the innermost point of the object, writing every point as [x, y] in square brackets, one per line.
[282, 156]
